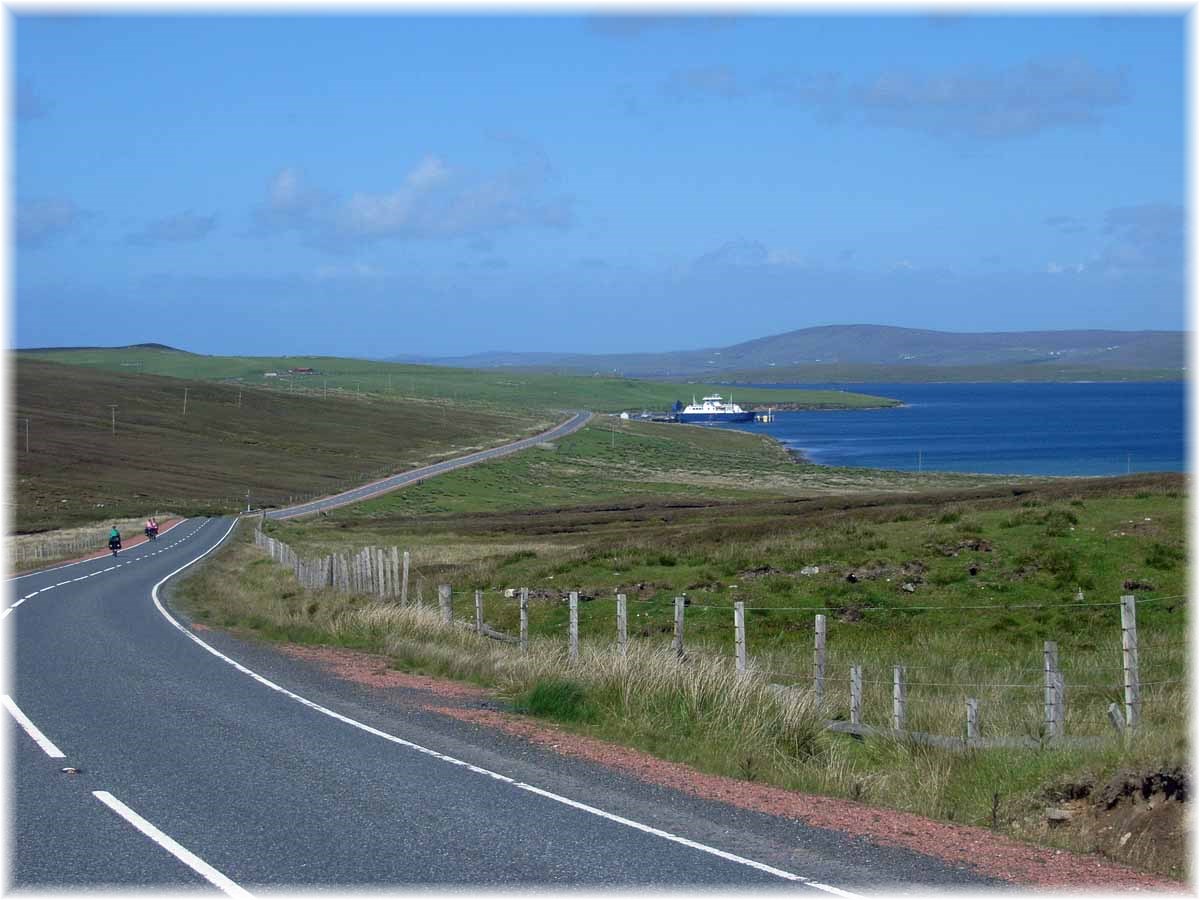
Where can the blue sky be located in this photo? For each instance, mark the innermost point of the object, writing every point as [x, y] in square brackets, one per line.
[403, 184]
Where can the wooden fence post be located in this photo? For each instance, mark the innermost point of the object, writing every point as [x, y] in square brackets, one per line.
[1060, 703]
[739, 634]
[573, 647]
[404, 581]
[819, 658]
[381, 566]
[972, 719]
[622, 626]
[479, 612]
[678, 640]
[1129, 654]
[395, 571]
[1114, 716]
[524, 619]
[856, 695]
[899, 698]
[444, 603]
[1050, 704]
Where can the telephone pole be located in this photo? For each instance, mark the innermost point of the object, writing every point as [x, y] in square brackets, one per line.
[185, 390]
[27, 435]
[113, 407]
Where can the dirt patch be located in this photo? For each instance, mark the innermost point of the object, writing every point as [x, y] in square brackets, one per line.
[978, 545]
[373, 670]
[1136, 817]
[977, 848]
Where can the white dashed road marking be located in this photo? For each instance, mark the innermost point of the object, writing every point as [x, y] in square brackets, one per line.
[32, 730]
[181, 853]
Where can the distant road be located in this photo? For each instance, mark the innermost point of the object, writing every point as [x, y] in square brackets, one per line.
[376, 488]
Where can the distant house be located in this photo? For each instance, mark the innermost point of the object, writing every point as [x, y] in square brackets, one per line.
[301, 370]
[270, 374]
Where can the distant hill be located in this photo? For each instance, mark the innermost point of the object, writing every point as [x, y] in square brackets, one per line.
[149, 346]
[877, 352]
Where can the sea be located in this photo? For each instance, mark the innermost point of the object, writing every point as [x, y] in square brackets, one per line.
[1091, 428]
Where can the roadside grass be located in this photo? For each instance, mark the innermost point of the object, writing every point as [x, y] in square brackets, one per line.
[509, 389]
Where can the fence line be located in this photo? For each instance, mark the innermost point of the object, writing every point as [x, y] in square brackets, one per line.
[377, 572]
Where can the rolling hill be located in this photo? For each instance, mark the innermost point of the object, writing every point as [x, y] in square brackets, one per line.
[879, 352]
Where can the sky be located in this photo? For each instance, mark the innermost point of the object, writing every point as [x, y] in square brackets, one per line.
[409, 184]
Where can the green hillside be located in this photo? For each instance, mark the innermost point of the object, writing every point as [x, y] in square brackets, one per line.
[515, 391]
[231, 441]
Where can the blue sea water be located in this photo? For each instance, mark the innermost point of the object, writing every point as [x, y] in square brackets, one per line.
[1014, 429]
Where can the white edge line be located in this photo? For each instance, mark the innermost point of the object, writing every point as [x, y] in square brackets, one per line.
[763, 867]
[34, 732]
[185, 856]
[80, 562]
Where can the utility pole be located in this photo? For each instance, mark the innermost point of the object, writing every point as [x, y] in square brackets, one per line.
[326, 395]
[358, 388]
[27, 435]
[920, 462]
[239, 399]
[1128, 462]
[185, 390]
[113, 407]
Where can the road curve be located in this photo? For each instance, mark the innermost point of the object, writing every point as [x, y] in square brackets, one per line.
[148, 751]
[383, 486]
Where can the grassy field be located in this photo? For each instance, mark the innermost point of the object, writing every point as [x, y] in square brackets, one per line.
[463, 386]
[613, 458]
[272, 445]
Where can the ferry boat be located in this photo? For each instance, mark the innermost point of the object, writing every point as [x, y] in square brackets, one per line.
[713, 409]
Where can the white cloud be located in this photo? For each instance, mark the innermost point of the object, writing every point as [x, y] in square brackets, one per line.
[433, 200]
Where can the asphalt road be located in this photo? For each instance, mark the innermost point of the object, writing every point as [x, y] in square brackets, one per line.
[203, 760]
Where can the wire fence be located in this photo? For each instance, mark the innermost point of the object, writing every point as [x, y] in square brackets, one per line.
[1071, 689]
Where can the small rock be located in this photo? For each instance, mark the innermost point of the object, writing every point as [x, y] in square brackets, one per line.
[1055, 816]
[810, 570]
[908, 586]
[1125, 837]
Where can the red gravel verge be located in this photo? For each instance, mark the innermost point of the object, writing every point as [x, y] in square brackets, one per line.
[977, 848]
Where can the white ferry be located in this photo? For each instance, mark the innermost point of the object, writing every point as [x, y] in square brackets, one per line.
[714, 409]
